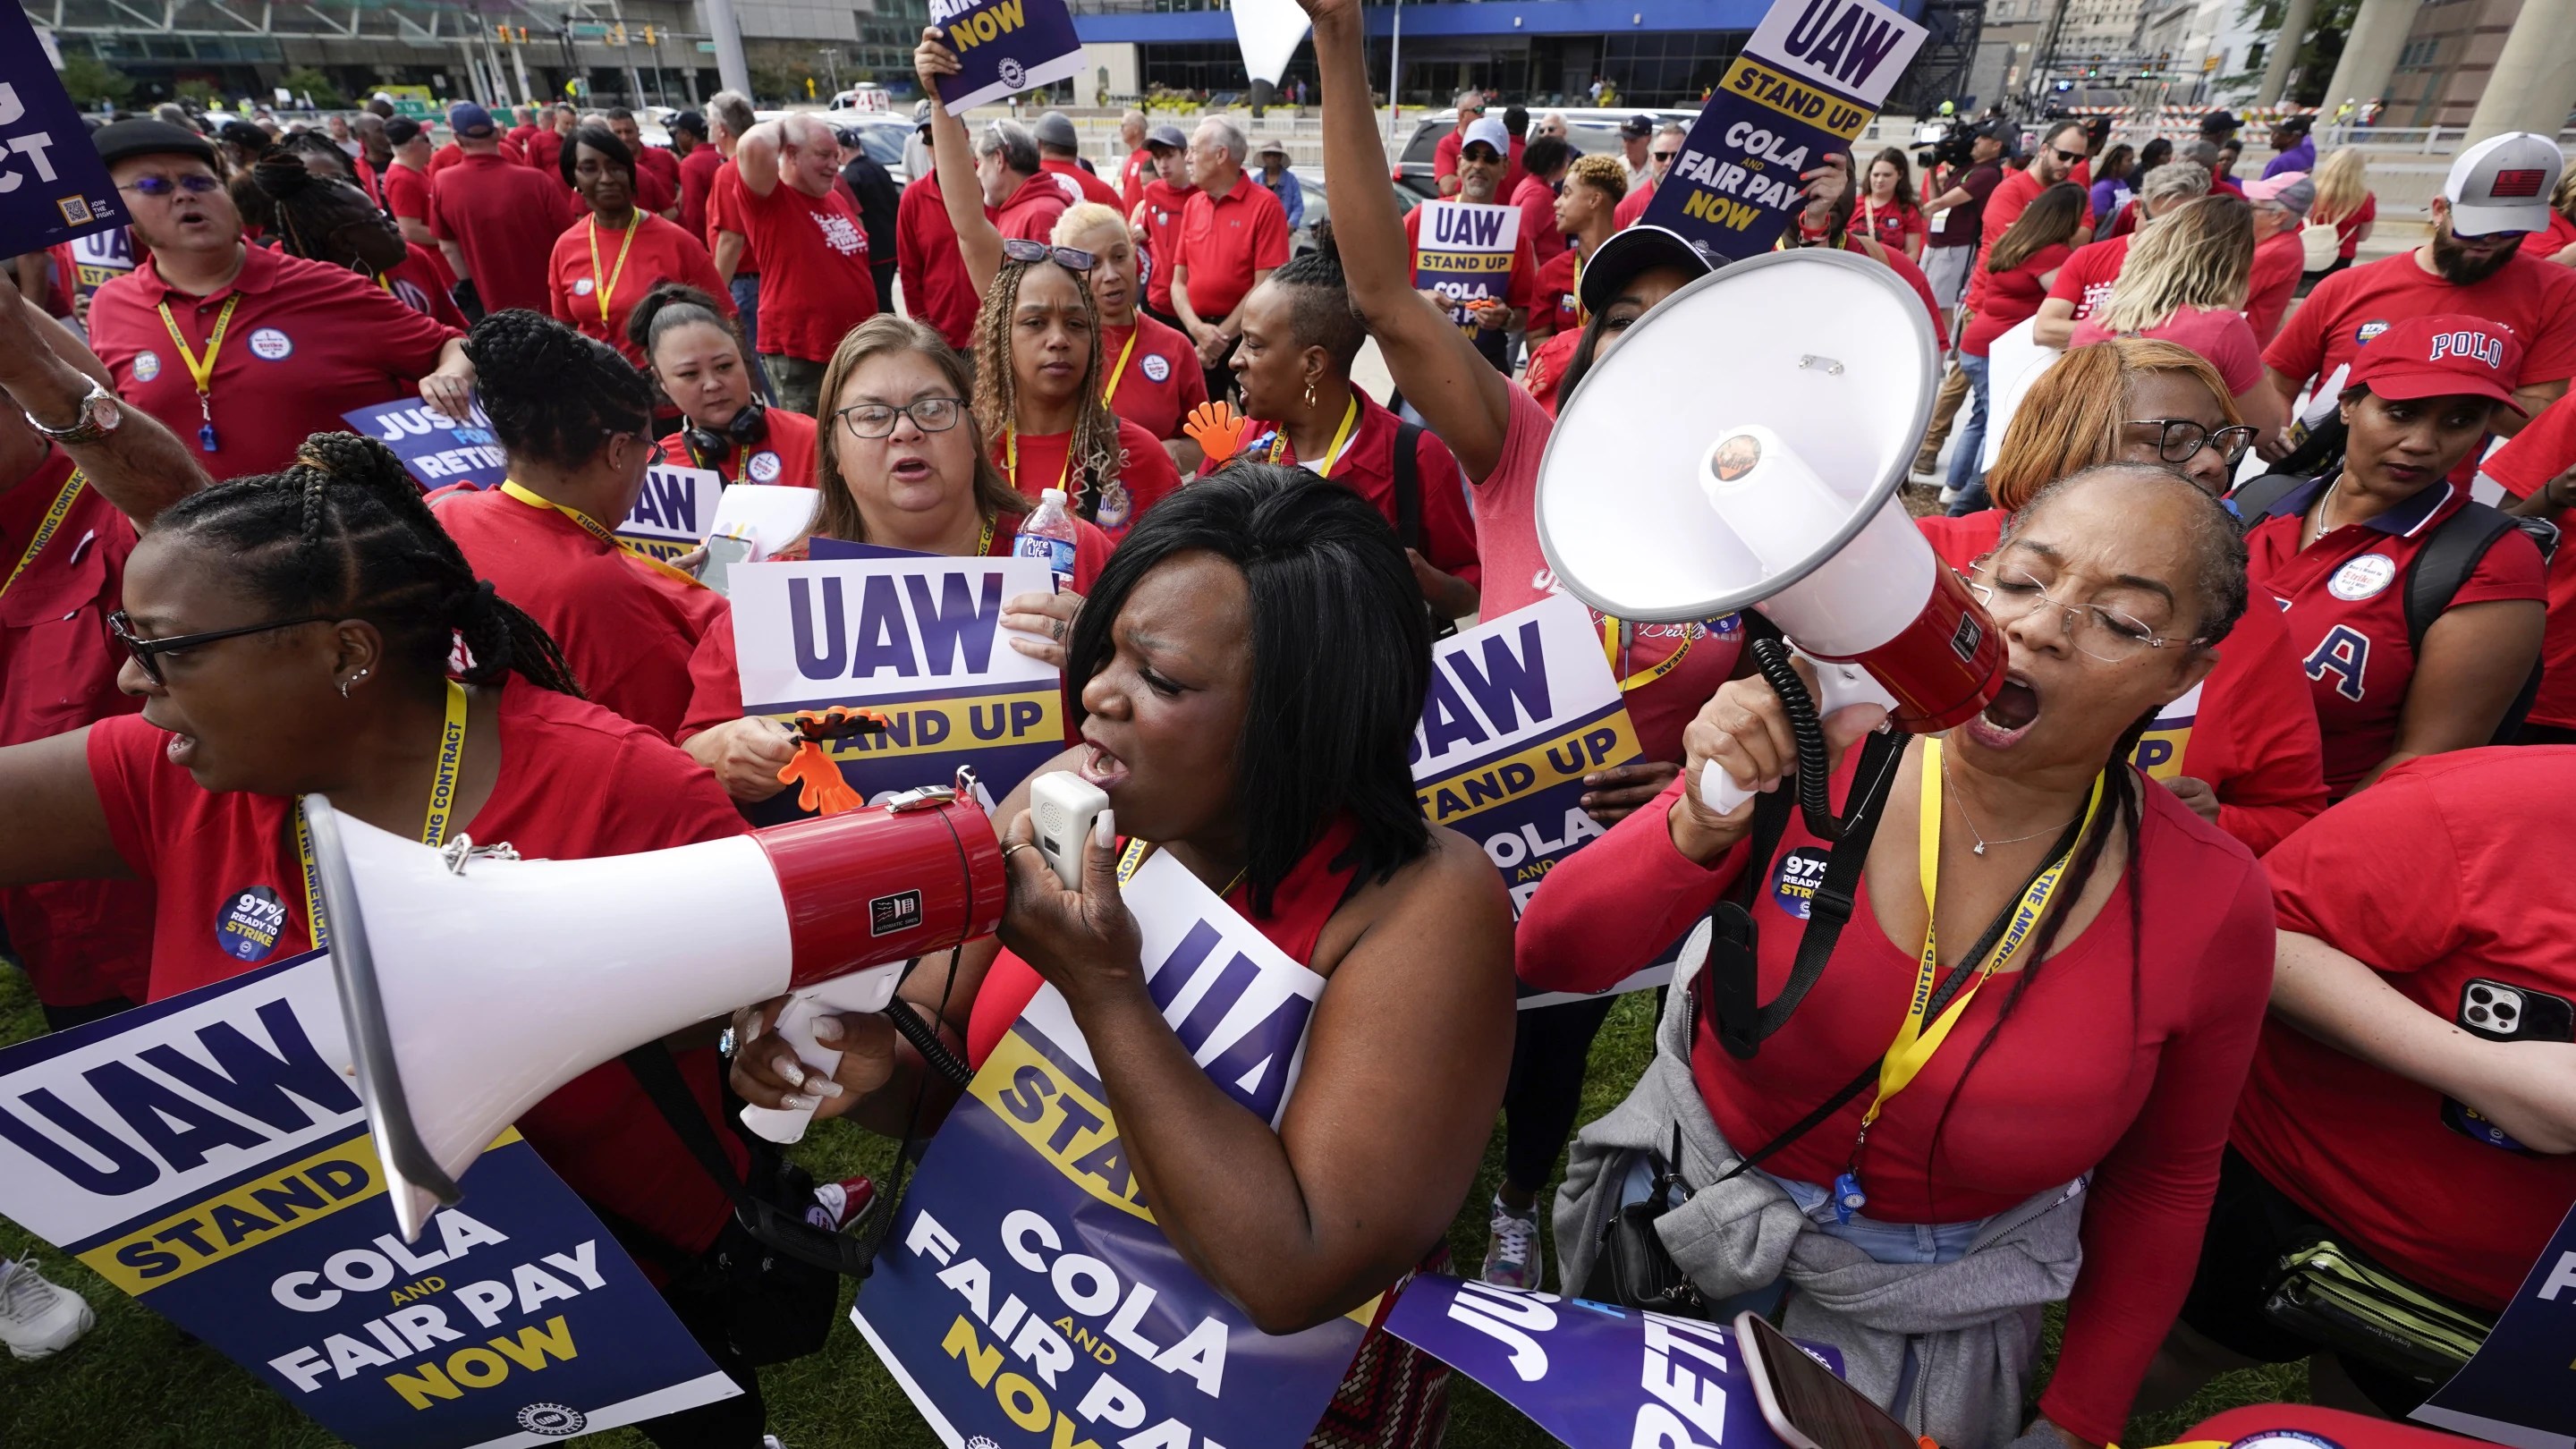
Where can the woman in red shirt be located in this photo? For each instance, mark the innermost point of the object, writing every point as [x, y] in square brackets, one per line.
[908, 470]
[604, 263]
[2107, 1054]
[2006, 290]
[290, 634]
[2346, 203]
[694, 348]
[2242, 749]
[1252, 669]
[2184, 280]
[1154, 378]
[1887, 212]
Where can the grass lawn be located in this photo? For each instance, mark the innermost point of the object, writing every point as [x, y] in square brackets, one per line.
[133, 1383]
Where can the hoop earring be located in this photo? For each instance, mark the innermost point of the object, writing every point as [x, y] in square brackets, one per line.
[1310, 392]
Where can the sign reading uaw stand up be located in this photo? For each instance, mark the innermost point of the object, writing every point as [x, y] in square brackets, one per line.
[1809, 79]
[1004, 47]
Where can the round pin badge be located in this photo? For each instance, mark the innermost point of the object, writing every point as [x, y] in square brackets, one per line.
[2285, 1439]
[2369, 330]
[249, 923]
[1156, 367]
[763, 467]
[270, 345]
[583, 287]
[147, 366]
[1114, 507]
[2362, 577]
[1801, 871]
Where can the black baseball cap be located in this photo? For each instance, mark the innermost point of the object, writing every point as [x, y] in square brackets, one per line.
[1637, 126]
[402, 130]
[689, 121]
[122, 139]
[1631, 251]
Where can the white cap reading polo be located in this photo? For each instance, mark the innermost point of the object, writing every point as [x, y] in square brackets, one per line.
[2503, 184]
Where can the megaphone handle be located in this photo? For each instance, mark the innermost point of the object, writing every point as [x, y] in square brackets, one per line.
[1838, 686]
[796, 1025]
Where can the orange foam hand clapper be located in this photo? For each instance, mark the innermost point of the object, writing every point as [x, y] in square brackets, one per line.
[818, 781]
[1217, 429]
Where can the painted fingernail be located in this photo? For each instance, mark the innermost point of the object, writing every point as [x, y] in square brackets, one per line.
[793, 1103]
[794, 1074]
[827, 1029]
[1104, 829]
[826, 1087]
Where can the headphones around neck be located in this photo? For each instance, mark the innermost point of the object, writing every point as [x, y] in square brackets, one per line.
[709, 448]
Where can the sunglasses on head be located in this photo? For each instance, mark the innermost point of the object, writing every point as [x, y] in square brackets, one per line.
[195, 183]
[1072, 259]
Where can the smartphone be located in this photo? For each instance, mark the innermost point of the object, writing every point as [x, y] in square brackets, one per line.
[1062, 807]
[1804, 1402]
[2500, 1012]
[722, 554]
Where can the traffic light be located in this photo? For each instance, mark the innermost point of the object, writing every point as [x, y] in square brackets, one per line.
[523, 35]
[502, 31]
[648, 35]
[618, 35]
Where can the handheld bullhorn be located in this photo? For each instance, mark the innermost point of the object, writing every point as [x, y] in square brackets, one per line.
[473, 984]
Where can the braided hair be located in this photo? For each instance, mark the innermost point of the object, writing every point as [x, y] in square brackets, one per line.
[1319, 301]
[554, 395]
[1094, 448]
[343, 532]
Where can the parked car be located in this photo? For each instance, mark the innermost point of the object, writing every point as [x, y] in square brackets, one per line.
[1310, 179]
[1592, 132]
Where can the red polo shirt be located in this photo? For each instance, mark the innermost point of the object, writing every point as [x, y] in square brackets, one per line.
[1225, 239]
[2278, 260]
[579, 295]
[814, 257]
[1092, 187]
[505, 219]
[2344, 600]
[1558, 306]
[1367, 467]
[652, 192]
[660, 163]
[407, 193]
[1031, 212]
[936, 288]
[785, 455]
[2545, 448]
[1143, 473]
[698, 176]
[1537, 201]
[1160, 380]
[626, 628]
[544, 152]
[725, 195]
[1137, 170]
[308, 342]
[87, 940]
[1165, 205]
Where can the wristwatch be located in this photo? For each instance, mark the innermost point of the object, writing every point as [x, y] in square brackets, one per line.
[100, 413]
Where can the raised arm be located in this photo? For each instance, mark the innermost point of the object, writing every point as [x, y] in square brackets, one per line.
[1466, 402]
[757, 157]
[141, 467]
[952, 152]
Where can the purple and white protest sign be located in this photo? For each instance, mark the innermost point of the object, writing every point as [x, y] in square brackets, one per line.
[1004, 47]
[53, 187]
[435, 449]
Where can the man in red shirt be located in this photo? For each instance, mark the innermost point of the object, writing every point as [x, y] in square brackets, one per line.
[1138, 168]
[1594, 187]
[1480, 172]
[1666, 145]
[657, 172]
[496, 222]
[245, 350]
[2052, 163]
[1233, 234]
[407, 183]
[1444, 157]
[1157, 218]
[1017, 187]
[1545, 162]
[1060, 151]
[811, 249]
[2084, 282]
[2280, 206]
[730, 118]
[936, 287]
[546, 146]
[523, 125]
[2497, 191]
[698, 162]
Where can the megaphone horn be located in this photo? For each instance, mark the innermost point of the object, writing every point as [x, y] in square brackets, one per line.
[472, 987]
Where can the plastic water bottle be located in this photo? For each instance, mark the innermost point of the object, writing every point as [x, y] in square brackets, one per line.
[1048, 534]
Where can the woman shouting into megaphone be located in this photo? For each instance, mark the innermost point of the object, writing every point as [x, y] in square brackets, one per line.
[2037, 1014]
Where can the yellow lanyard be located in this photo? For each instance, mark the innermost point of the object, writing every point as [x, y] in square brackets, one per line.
[1582, 314]
[1011, 460]
[591, 526]
[433, 829]
[201, 370]
[1333, 452]
[1120, 371]
[1134, 857]
[46, 527]
[1617, 635]
[602, 285]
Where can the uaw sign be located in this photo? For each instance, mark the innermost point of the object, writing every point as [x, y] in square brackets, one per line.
[1464, 253]
[2520, 1386]
[1004, 47]
[1808, 80]
[208, 1155]
[674, 512]
[1026, 1299]
[435, 449]
[53, 187]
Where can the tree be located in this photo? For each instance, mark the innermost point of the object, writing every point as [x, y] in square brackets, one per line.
[307, 80]
[92, 81]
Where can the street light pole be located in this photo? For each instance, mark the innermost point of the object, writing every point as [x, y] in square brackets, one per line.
[832, 66]
[731, 67]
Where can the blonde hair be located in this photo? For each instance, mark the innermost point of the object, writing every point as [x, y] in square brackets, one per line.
[2340, 184]
[837, 516]
[1604, 174]
[2071, 417]
[1081, 217]
[2564, 197]
[2200, 254]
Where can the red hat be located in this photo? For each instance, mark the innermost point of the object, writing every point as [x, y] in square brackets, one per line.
[2448, 355]
[2297, 1426]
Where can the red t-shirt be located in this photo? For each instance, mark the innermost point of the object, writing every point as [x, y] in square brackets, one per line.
[2087, 277]
[1537, 201]
[1031, 212]
[543, 152]
[79, 941]
[1161, 381]
[1632, 207]
[653, 191]
[2545, 448]
[1225, 239]
[1889, 227]
[2426, 877]
[2278, 261]
[504, 217]
[626, 628]
[1367, 468]
[407, 193]
[309, 342]
[2344, 600]
[725, 198]
[697, 177]
[421, 282]
[2001, 300]
[2248, 731]
[2540, 246]
[2011, 197]
[2119, 1061]
[2348, 228]
[1164, 207]
[1557, 306]
[785, 456]
[1133, 173]
[1091, 187]
[660, 251]
[661, 164]
[2220, 335]
[814, 259]
[200, 852]
[1515, 574]
[1141, 477]
[936, 287]
[2537, 300]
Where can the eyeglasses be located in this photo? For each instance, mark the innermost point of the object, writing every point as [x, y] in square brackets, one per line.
[1664, 156]
[2179, 440]
[195, 183]
[2096, 632]
[1072, 259]
[930, 414]
[2062, 154]
[147, 652]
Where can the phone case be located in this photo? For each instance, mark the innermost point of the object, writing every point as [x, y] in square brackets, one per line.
[2502, 1011]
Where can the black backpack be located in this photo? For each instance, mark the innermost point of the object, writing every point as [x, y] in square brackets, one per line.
[2441, 566]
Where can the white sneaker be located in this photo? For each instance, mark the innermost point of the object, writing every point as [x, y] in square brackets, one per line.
[38, 1318]
[1512, 1258]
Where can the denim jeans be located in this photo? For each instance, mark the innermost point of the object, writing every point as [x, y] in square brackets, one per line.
[1969, 440]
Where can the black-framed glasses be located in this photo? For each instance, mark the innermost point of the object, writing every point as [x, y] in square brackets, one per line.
[2062, 154]
[1664, 156]
[2096, 632]
[930, 414]
[147, 652]
[2179, 440]
[1072, 259]
[195, 183]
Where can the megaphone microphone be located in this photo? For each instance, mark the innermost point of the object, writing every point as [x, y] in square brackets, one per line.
[474, 984]
[1819, 368]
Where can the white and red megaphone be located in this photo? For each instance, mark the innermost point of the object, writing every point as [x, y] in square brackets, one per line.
[474, 985]
[1742, 448]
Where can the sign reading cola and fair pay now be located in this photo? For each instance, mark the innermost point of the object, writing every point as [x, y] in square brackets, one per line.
[1809, 79]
